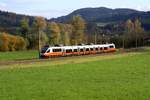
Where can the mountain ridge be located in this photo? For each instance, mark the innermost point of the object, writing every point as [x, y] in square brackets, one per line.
[10, 22]
[108, 15]
[90, 14]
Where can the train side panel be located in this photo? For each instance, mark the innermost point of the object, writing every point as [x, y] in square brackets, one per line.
[77, 50]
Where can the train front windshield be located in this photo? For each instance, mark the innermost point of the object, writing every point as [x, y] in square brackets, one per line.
[44, 50]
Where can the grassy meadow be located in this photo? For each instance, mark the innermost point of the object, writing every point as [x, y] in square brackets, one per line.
[115, 77]
[18, 55]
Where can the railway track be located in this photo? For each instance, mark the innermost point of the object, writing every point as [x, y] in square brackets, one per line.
[35, 60]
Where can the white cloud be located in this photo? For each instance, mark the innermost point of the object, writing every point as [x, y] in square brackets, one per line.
[147, 8]
[143, 8]
[32, 7]
[48, 13]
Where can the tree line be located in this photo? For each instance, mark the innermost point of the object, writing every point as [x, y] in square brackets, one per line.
[53, 33]
[48, 33]
[129, 34]
[74, 32]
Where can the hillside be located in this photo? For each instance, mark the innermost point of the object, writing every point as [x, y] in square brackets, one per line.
[91, 14]
[107, 15]
[10, 22]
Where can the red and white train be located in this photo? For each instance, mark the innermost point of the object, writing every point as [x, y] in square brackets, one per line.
[55, 51]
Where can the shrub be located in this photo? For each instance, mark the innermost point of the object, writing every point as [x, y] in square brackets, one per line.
[11, 43]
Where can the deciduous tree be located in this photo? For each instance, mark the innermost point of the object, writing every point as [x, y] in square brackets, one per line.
[25, 27]
[39, 26]
[11, 43]
[139, 32]
[54, 33]
[78, 24]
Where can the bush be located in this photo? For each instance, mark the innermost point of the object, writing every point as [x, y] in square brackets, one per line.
[11, 43]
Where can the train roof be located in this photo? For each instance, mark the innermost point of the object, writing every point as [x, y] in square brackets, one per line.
[80, 46]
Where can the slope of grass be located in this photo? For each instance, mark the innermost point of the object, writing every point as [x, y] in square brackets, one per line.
[120, 78]
[18, 55]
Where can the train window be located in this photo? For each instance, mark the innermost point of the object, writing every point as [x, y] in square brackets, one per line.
[96, 49]
[91, 49]
[56, 50]
[48, 51]
[105, 48]
[44, 49]
[111, 46]
[75, 50]
[68, 50]
[81, 50]
[87, 49]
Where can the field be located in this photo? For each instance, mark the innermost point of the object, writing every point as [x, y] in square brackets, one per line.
[18, 55]
[111, 77]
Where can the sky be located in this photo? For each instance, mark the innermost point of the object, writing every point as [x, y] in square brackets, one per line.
[57, 8]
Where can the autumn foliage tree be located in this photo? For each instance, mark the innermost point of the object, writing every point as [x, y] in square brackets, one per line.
[39, 36]
[78, 24]
[25, 27]
[133, 33]
[66, 31]
[127, 37]
[53, 33]
[139, 32]
[4, 41]
[20, 43]
[11, 43]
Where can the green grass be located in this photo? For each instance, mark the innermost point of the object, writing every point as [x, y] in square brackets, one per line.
[18, 55]
[119, 77]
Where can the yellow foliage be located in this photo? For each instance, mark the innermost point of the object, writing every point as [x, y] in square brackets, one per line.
[11, 43]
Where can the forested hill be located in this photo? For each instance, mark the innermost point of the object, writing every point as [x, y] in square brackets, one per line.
[88, 25]
[92, 14]
[10, 22]
[107, 15]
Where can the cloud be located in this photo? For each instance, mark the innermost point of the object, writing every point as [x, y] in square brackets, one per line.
[143, 8]
[48, 13]
[32, 7]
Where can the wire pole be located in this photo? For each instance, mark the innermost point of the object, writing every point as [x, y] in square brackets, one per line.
[95, 38]
[39, 43]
